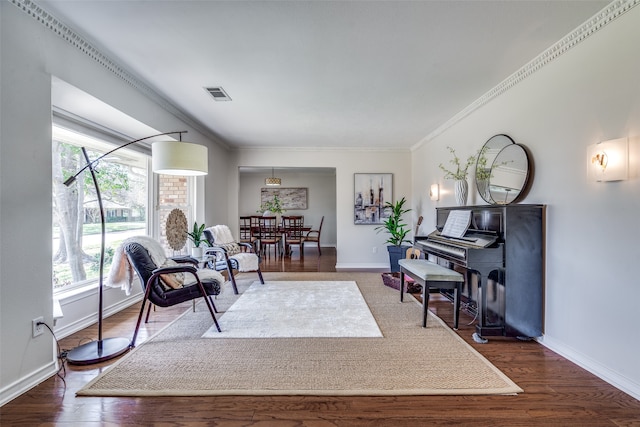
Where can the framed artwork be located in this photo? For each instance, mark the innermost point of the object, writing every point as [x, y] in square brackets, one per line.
[290, 198]
[371, 192]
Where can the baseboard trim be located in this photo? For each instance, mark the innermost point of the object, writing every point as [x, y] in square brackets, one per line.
[374, 268]
[89, 320]
[620, 382]
[24, 384]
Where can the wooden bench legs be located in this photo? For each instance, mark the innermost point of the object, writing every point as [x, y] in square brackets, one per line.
[432, 276]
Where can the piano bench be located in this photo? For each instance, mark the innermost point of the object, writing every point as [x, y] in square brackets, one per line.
[434, 276]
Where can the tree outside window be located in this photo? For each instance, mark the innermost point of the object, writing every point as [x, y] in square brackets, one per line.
[123, 180]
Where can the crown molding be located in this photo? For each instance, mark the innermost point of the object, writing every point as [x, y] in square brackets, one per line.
[603, 18]
[254, 148]
[62, 30]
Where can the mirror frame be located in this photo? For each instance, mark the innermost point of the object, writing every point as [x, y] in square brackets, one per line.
[498, 145]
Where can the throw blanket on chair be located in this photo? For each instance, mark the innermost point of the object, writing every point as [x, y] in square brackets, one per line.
[223, 238]
[121, 274]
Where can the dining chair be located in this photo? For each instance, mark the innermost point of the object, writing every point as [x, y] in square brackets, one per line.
[270, 234]
[255, 231]
[246, 233]
[314, 236]
[292, 226]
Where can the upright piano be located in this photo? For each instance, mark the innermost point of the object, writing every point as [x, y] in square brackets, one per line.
[502, 257]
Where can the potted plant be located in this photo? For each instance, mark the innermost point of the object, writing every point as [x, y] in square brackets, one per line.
[397, 232]
[459, 174]
[196, 236]
[272, 207]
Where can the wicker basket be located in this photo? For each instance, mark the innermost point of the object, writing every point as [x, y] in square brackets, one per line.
[392, 280]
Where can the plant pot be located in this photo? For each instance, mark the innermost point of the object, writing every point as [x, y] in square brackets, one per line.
[396, 253]
[197, 252]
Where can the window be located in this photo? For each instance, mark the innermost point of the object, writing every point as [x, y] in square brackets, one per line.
[124, 183]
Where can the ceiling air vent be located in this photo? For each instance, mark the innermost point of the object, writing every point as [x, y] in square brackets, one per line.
[218, 93]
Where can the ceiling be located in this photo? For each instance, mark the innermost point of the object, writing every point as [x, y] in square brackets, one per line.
[361, 74]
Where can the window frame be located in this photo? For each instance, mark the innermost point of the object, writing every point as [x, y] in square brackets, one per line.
[110, 139]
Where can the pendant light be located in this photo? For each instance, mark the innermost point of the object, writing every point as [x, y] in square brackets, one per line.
[273, 181]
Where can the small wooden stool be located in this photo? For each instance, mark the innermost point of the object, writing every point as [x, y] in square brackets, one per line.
[432, 275]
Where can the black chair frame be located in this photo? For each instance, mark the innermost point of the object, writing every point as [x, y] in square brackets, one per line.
[155, 293]
[227, 263]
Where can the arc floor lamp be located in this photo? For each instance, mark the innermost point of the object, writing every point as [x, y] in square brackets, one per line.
[169, 158]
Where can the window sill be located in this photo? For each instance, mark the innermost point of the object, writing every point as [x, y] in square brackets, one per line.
[77, 292]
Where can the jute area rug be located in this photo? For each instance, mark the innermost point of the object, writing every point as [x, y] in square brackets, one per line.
[406, 360]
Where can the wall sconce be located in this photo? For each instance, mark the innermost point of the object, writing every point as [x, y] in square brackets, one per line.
[608, 160]
[434, 192]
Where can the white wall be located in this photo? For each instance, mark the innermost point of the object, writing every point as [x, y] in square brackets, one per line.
[585, 96]
[355, 243]
[30, 56]
[321, 197]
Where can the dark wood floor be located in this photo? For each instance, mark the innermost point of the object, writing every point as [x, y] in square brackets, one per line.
[556, 392]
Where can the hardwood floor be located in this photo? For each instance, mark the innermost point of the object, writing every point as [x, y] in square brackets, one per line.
[556, 392]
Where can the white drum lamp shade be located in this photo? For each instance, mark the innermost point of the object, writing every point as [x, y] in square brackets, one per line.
[179, 158]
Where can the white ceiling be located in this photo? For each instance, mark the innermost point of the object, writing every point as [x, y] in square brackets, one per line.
[367, 74]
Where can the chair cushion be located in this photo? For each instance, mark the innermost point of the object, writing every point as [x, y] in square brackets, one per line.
[171, 280]
[186, 293]
[205, 275]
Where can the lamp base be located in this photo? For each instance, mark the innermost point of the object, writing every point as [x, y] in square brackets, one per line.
[98, 351]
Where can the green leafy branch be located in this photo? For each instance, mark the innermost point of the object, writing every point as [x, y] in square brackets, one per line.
[196, 235]
[459, 170]
[394, 225]
[274, 206]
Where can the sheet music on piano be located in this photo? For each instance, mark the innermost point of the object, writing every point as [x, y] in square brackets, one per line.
[457, 224]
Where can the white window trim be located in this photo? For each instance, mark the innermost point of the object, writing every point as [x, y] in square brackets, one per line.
[78, 124]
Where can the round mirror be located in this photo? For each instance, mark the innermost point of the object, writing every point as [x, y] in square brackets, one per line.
[487, 155]
[502, 170]
[509, 174]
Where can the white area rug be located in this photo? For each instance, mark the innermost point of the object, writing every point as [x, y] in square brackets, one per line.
[298, 309]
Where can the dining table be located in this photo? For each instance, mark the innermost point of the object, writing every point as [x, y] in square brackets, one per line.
[284, 232]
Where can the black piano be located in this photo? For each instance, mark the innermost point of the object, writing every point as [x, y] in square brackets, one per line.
[502, 257]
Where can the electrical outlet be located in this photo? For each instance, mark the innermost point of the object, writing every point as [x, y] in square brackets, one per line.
[35, 328]
[374, 249]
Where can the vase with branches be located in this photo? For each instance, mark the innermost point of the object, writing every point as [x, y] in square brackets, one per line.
[460, 170]
[274, 206]
[459, 174]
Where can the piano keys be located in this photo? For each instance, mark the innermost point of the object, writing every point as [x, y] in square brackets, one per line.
[501, 256]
